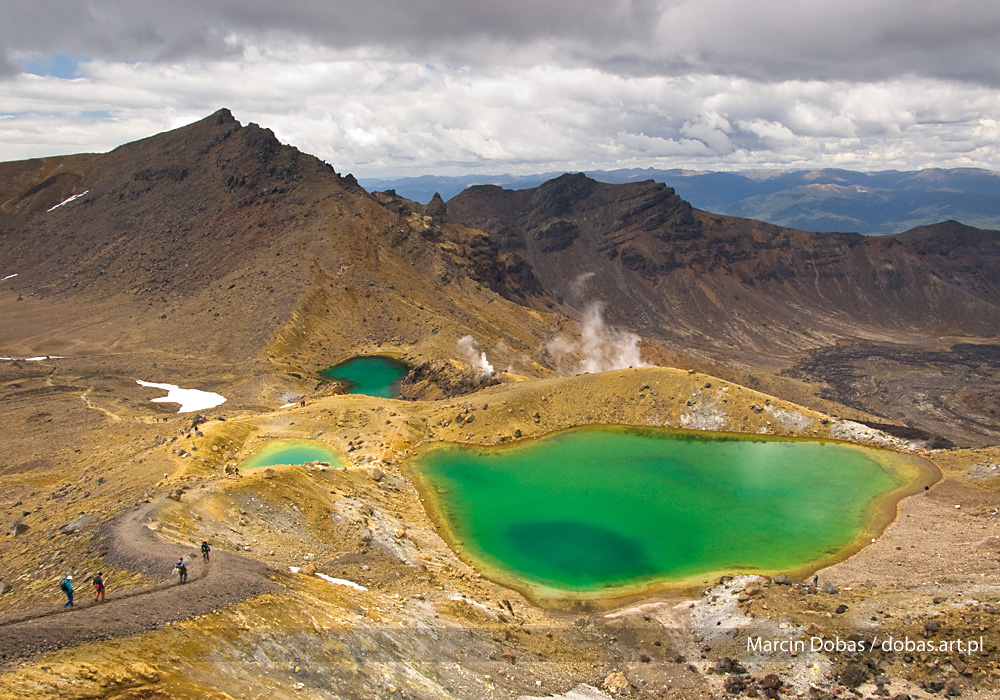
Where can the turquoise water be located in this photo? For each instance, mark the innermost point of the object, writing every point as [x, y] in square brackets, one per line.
[372, 375]
[590, 509]
[291, 452]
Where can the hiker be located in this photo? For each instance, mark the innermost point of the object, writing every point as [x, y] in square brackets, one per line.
[67, 588]
[205, 549]
[816, 581]
[182, 570]
[99, 587]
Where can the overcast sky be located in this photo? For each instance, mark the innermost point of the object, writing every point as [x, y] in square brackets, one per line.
[381, 88]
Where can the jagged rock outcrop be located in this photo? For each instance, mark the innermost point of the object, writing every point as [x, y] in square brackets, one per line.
[444, 379]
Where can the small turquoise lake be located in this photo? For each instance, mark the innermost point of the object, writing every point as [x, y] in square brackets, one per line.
[277, 452]
[371, 375]
[593, 510]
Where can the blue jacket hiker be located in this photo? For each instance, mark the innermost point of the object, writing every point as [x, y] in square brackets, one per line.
[67, 588]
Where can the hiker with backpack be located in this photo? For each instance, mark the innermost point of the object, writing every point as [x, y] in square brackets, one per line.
[205, 549]
[182, 570]
[67, 587]
[99, 587]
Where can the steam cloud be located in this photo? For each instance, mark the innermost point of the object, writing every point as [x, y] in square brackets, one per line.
[600, 348]
[475, 357]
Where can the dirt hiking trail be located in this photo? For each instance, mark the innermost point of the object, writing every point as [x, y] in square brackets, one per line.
[227, 579]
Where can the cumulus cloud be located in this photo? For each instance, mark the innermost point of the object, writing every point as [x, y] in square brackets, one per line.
[450, 86]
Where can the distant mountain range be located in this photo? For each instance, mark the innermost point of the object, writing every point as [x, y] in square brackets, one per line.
[884, 202]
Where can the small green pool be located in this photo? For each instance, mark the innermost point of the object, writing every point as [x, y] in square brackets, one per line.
[291, 452]
[594, 509]
[371, 375]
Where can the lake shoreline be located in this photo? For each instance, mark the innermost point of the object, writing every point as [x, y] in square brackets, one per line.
[915, 473]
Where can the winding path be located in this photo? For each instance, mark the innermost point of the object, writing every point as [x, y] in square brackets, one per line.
[226, 580]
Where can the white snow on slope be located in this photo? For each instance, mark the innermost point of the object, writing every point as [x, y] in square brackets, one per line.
[189, 399]
[68, 200]
[342, 582]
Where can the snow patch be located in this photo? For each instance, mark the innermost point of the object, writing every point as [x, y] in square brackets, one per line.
[35, 359]
[342, 582]
[68, 200]
[189, 399]
[8, 277]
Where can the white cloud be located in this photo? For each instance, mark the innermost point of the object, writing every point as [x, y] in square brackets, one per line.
[456, 87]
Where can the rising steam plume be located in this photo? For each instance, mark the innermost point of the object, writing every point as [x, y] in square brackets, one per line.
[600, 348]
[469, 348]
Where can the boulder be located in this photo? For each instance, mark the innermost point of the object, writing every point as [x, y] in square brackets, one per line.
[828, 587]
[18, 528]
[377, 474]
[727, 665]
[78, 524]
[771, 685]
[735, 685]
[616, 683]
[852, 675]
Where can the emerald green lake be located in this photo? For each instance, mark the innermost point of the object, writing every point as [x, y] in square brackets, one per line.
[593, 509]
[290, 452]
[373, 375]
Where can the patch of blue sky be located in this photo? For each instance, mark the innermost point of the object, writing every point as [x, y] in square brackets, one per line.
[57, 65]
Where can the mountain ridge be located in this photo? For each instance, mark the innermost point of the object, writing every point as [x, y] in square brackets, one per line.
[643, 244]
[828, 199]
[216, 241]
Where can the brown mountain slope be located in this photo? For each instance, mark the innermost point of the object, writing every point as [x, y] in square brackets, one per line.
[232, 260]
[214, 257]
[736, 285]
[215, 242]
